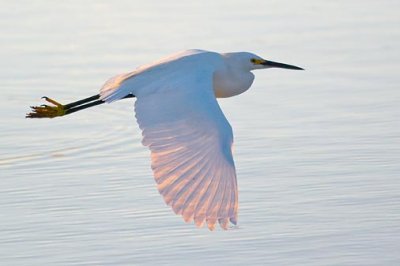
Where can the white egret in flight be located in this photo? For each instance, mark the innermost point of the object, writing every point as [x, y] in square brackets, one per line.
[182, 124]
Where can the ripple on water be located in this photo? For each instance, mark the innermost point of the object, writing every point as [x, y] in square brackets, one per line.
[316, 152]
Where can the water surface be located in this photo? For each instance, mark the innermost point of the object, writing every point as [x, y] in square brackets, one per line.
[317, 152]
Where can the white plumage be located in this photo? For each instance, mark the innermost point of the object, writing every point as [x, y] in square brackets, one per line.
[188, 135]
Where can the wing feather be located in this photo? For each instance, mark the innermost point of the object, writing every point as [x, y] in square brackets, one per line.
[189, 138]
[190, 142]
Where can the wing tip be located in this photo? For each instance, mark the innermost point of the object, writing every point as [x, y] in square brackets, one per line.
[225, 223]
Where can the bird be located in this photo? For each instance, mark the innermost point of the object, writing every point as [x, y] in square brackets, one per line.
[189, 137]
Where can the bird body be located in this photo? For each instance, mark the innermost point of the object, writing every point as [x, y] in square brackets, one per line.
[230, 71]
[162, 75]
[183, 126]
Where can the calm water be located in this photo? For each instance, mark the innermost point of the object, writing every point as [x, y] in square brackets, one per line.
[317, 152]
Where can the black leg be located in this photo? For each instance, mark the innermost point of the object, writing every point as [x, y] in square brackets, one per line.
[86, 100]
[47, 111]
[82, 106]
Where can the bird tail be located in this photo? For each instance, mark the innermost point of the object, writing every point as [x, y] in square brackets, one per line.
[116, 88]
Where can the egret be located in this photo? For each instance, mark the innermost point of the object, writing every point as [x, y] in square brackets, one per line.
[183, 126]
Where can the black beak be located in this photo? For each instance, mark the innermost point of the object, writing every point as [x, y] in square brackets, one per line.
[279, 65]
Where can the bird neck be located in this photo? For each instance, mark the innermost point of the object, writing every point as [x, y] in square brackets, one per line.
[231, 81]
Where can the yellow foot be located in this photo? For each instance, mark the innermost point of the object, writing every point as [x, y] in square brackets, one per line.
[47, 111]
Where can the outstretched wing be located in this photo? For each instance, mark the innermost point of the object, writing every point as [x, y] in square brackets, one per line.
[190, 142]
